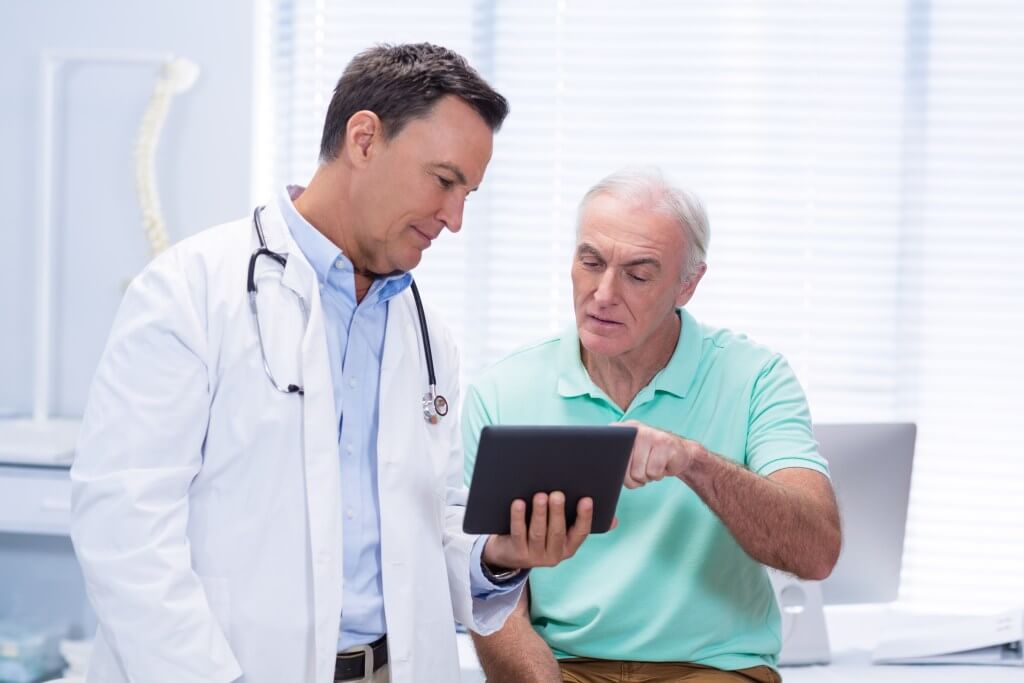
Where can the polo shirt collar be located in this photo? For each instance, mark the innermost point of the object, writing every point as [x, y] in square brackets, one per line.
[675, 378]
[573, 379]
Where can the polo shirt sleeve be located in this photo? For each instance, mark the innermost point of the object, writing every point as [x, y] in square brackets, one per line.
[475, 416]
[779, 423]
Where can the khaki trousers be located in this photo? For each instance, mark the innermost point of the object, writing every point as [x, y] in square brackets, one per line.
[607, 671]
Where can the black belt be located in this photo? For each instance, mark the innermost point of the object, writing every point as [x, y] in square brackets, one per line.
[351, 666]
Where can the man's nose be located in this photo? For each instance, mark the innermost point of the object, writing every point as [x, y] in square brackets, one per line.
[606, 287]
[451, 212]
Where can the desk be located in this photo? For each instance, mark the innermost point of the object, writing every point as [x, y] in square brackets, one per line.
[854, 633]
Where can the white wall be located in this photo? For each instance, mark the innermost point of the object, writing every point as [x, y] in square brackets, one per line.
[203, 164]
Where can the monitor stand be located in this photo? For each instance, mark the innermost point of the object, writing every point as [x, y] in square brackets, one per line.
[804, 634]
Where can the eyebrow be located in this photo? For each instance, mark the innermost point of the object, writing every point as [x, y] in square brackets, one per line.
[454, 170]
[643, 261]
[588, 249]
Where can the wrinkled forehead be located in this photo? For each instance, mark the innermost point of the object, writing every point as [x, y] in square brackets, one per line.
[629, 228]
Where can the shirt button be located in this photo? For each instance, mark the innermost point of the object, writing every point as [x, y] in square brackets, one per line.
[339, 264]
[349, 449]
[349, 513]
[352, 383]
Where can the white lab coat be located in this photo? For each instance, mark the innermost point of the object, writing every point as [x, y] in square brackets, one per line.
[206, 505]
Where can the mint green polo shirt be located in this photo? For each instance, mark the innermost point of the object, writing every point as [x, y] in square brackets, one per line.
[670, 584]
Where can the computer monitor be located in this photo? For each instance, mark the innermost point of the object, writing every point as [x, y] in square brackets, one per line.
[870, 466]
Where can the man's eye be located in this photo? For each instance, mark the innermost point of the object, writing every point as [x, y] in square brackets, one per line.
[637, 278]
[591, 264]
[445, 183]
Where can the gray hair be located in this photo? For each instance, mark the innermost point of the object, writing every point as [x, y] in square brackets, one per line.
[648, 188]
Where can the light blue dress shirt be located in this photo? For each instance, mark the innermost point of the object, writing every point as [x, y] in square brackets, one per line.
[355, 343]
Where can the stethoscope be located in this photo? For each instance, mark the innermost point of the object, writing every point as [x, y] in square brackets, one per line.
[435, 406]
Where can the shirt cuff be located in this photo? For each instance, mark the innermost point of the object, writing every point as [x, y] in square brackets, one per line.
[479, 584]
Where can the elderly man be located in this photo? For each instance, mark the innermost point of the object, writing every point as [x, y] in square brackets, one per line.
[724, 476]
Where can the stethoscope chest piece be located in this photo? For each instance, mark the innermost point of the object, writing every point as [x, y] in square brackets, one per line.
[435, 407]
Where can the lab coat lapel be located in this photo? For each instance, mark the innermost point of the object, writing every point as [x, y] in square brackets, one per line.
[298, 275]
[320, 448]
[323, 488]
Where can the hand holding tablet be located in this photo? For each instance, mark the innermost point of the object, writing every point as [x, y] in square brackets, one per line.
[546, 541]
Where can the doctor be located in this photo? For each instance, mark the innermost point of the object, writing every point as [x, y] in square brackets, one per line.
[267, 486]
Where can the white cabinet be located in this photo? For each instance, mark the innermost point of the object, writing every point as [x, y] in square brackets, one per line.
[35, 500]
[40, 581]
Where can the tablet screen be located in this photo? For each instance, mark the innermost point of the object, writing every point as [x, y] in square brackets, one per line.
[516, 462]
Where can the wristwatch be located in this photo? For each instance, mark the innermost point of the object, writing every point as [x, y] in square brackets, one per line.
[502, 576]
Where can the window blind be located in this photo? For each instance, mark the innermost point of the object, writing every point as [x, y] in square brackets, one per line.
[965, 313]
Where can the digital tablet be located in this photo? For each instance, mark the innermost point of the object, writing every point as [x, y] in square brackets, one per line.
[517, 462]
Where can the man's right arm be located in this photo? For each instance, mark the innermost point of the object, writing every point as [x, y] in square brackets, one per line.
[139, 449]
[516, 654]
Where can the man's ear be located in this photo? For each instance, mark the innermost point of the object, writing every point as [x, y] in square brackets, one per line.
[362, 133]
[688, 286]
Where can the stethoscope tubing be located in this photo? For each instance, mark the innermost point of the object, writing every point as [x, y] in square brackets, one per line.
[432, 400]
[431, 379]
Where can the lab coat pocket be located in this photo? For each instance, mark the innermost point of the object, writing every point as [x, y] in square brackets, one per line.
[218, 596]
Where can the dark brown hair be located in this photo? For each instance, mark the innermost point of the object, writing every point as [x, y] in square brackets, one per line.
[400, 83]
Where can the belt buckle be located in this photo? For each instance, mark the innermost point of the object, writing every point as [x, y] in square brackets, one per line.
[368, 669]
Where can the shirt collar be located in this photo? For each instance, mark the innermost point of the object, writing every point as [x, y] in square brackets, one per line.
[324, 254]
[675, 378]
[318, 250]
